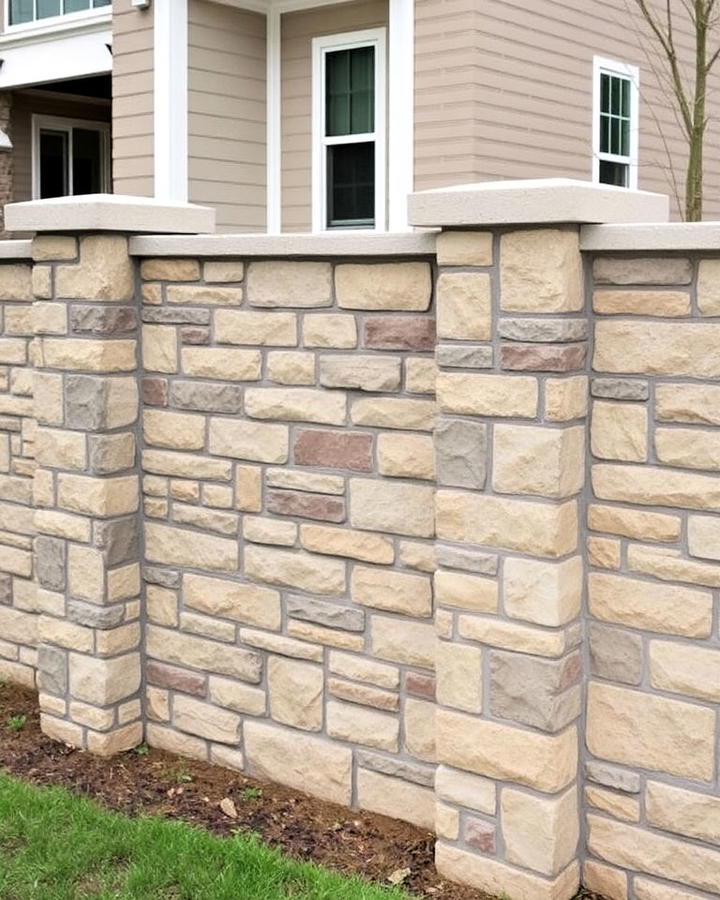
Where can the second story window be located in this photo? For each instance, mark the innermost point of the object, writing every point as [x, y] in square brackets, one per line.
[615, 123]
[23, 11]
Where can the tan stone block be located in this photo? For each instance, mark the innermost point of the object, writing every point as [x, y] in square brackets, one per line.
[58, 524]
[17, 626]
[98, 496]
[162, 605]
[52, 603]
[49, 318]
[542, 529]
[395, 285]
[175, 742]
[345, 542]
[543, 592]
[330, 330]
[15, 561]
[181, 547]
[464, 311]
[256, 441]
[619, 431]
[269, 531]
[704, 537]
[185, 490]
[667, 564]
[309, 764]
[411, 643]
[331, 637]
[642, 303]
[360, 693]
[509, 636]
[634, 523]
[549, 462]
[657, 348]
[221, 363]
[385, 506]
[417, 555]
[487, 395]
[620, 806]
[464, 248]
[359, 668]
[60, 449]
[604, 553]
[204, 295]
[154, 486]
[605, 880]
[274, 329]
[688, 448]
[170, 270]
[419, 728]
[55, 631]
[656, 486]
[639, 729]
[688, 813]
[237, 696]
[348, 722]
[200, 653]
[708, 294]
[360, 372]
[669, 609]
[162, 428]
[465, 790]
[697, 404]
[298, 480]
[447, 822]
[396, 798]
[566, 398]
[86, 573]
[165, 462]
[218, 496]
[406, 456]
[53, 247]
[289, 283]
[123, 583]
[653, 890]
[224, 271]
[205, 720]
[105, 271]
[685, 669]
[61, 730]
[246, 603]
[466, 591]
[291, 367]
[541, 271]
[160, 348]
[88, 355]
[383, 412]
[420, 375]
[281, 645]
[296, 405]
[540, 833]
[410, 595]
[48, 397]
[104, 681]
[304, 571]
[152, 294]
[157, 704]
[636, 849]
[248, 488]
[49, 704]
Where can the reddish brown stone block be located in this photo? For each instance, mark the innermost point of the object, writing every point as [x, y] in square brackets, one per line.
[176, 679]
[420, 685]
[195, 335]
[400, 333]
[307, 506]
[481, 835]
[333, 449]
[155, 391]
[543, 357]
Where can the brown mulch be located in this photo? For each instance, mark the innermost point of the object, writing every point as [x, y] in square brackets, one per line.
[155, 782]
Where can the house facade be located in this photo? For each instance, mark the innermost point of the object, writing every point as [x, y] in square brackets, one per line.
[308, 115]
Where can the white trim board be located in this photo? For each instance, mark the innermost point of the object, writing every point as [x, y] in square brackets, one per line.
[170, 100]
[56, 58]
[401, 111]
[632, 73]
[273, 149]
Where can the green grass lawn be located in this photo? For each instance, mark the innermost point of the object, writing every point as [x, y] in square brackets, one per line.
[56, 846]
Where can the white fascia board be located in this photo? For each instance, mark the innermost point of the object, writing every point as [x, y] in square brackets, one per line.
[55, 59]
[170, 66]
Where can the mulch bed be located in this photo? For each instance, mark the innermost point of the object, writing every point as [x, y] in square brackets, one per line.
[155, 782]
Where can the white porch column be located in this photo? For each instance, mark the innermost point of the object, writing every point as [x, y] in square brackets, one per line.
[273, 112]
[401, 111]
[171, 100]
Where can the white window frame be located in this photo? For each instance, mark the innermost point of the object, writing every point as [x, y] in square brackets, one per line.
[321, 46]
[632, 74]
[50, 23]
[58, 123]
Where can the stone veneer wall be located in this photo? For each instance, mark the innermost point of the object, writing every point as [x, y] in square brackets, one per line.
[366, 592]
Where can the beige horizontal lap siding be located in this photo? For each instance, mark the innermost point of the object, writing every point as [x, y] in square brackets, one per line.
[504, 90]
[298, 30]
[29, 103]
[133, 84]
[226, 114]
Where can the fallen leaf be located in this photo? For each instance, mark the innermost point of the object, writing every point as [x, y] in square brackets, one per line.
[399, 876]
[228, 807]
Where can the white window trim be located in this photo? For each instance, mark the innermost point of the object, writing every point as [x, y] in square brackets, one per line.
[170, 100]
[51, 23]
[62, 124]
[625, 70]
[375, 37]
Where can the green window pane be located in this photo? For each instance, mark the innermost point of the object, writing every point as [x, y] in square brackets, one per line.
[604, 93]
[21, 11]
[351, 184]
[625, 137]
[615, 96]
[350, 91]
[47, 8]
[604, 134]
[87, 161]
[615, 136]
[97, 3]
[626, 98]
[614, 173]
[72, 6]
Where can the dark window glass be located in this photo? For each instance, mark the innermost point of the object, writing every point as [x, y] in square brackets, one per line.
[48, 8]
[53, 163]
[97, 3]
[21, 11]
[351, 184]
[72, 6]
[613, 173]
[350, 91]
[87, 161]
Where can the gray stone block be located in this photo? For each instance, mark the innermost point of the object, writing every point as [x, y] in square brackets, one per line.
[542, 693]
[49, 561]
[397, 768]
[460, 451]
[461, 356]
[92, 616]
[615, 654]
[324, 612]
[110, 453]
[206, 397]
[52, 669]
[619, 388]
[612, 776]
[169, 578]
[85, 402]
[6, 588]
[543, 331]
[449, 557]
[119, 540]
[177, 316]
[102, 320]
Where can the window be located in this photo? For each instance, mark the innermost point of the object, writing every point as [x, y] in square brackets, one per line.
[70, 157]
[615, 123]
[21, 12]
[349, 131]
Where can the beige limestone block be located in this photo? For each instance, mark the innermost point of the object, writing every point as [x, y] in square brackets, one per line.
[379, 505]
[642, 303]
[360, 668]
[283, 646]
[495, 877]
[256, 441]
[406, 456]
[330, 637]
[656, 486]
[60, 449]
[685, 669]
[48, 397]
[360, 372]
[708, 287]
[459, 676]
[540, 833]
[541, 271]
[396, 798]
[639, 729]
[633, 523]
[688, 448]
[620, 806]
[419, 722]
[105, 271]
[619, 431]
[224, 271]
[466, 591]
[688, 813]
[465, 790]
[566, 398]
[53, 247]
[639, 270]
[330, 330]
[291, 367]
[653, 890]
[269, 531]
[181, 547]
[296, 693]
[464, 248]
[49, 318]
[354, 544]
[204, 295]
[667, 564]
[273, 329]
[98, 496]
[186, 465]
[160, 348]
[604, 553]
[201, 653]
[162, 605]
[541, 529]
[288, 283]
[237, 696]
[221, 363]
[410, 643]
[61, 730]
[296, 405]
[360, 693]
[21, 674]
[371, 728]
[510, 636]
[383, 286]
[447, 822]
[464, 311]
[304, 571]
[51, 630]
[704, 537]
[384, 412]
[89, 355]
[170, 270]
[669, 609]
[545, 593]
[544, 762]
[59, 524]
[309, 764]
[157, 704]
[487, 395]
[605, 880]
[417, 555]
[207, 627]
[18, 626]
[696, 404]
[298, 480]
[248, 488]
[103, 681]
[657, 348]
[549, 462]
[636, 849]
[386, 589]
[420, 375]
[86, 573]
[175, 742]
[15, 561]
[178, 431]
[246, 603]
[205, 720]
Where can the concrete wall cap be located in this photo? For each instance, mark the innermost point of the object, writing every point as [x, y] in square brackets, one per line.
[661, 237]
[109, 212]
[15, 249]
[538, 202]
[286, 245]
